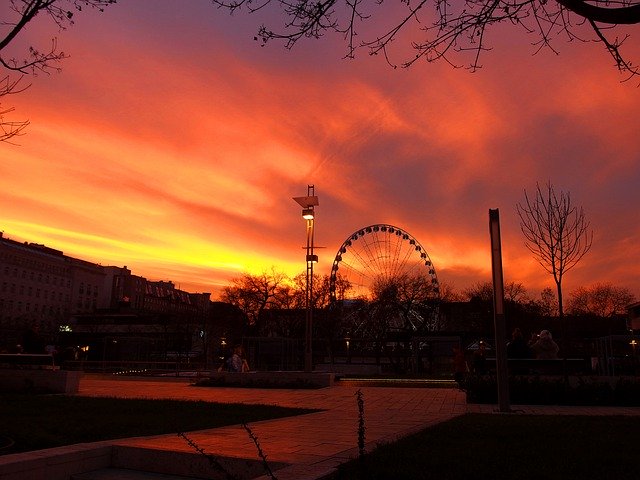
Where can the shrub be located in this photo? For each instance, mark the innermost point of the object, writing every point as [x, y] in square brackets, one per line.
[537, 390]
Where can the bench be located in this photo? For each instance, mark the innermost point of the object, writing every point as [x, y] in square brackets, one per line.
[544, 366]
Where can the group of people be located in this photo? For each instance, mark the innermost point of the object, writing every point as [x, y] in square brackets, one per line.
[236, 362]
[539, 346]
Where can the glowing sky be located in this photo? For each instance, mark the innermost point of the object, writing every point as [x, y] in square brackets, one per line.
[173, 143]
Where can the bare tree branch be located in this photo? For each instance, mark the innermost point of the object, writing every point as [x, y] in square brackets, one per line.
[556, 232]
[447, 29]
[34, 60]
[10, 129]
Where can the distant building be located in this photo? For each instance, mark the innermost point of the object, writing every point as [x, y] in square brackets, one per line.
[143, 319]
[42, 287]
[633, 311]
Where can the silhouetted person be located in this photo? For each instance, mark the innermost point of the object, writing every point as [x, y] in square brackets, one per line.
[517, 347]
[460, 367]
[236, 362]
[545, 347]
[480, 359]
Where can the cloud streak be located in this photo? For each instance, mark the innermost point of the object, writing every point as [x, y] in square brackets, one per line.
[173, 143]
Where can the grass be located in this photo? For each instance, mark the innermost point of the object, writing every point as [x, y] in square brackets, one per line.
[35, 422]
[495, 447]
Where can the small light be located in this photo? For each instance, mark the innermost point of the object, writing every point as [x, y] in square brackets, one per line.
[312, 258]
[307, 213]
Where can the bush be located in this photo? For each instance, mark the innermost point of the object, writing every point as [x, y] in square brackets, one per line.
[537, 390]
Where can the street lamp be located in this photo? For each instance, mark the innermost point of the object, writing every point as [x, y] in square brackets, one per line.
[308, 203]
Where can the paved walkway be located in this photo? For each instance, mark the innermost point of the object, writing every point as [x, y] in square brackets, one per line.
[312, 444]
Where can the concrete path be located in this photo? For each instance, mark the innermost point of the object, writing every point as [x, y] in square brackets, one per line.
[313, 444]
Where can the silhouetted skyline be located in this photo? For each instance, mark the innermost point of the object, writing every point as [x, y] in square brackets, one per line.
[173, 143]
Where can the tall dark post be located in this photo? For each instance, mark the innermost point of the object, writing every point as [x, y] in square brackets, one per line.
[498, 312]
[308, 203]
[308, 327]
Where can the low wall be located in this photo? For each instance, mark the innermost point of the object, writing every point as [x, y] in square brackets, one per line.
[39, 381]
[87, 461]
[56, 463]
[273, 379]
[350, 368]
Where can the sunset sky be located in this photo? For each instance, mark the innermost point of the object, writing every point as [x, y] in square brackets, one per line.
[173, 143]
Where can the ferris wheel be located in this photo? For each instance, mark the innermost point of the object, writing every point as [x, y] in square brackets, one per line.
[375, 255]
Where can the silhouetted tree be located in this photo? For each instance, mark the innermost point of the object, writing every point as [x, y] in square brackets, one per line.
[602, 300]
[404, 303]
[34, 60]
[555, 231]
[448, 293]
[443, 30]
[548, 302]
[254, 293]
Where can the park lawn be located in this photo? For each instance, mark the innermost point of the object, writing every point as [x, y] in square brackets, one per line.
[513, 447]
[35, 422]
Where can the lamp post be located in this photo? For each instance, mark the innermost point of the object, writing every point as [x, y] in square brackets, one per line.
[308, 203]
[498, 311]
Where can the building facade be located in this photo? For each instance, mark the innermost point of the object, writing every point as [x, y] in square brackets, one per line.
[40, 288]
[44, 290]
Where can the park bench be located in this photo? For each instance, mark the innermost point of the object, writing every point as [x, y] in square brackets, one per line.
[543, 366]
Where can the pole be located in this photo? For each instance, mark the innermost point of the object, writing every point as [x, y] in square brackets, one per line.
[308, 354]
[308, 203]
[498, 311]
[308, 340]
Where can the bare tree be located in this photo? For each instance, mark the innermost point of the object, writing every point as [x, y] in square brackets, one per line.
[255, 293]
[555, 231]
[448, 292]
[602, 299]
[548, 302]
[34, 60]
[444, 30]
